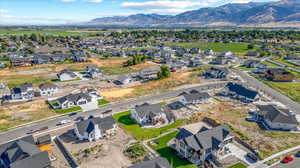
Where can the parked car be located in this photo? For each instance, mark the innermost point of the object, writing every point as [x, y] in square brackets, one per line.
[297, 154]
[72, 114]
[80, 118]
[287, 159]
[252, 156]
[63, 122]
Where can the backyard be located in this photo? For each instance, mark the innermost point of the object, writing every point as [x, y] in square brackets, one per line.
[165, 151]
[125, 121]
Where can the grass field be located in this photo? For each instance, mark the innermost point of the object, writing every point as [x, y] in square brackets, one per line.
[238, 165]
[289, 89]
[240, 48]
[139, 133]
[17, 80]
[102, 102]
[44, 32]
[68, 110]
[116, 70]
[165, 151]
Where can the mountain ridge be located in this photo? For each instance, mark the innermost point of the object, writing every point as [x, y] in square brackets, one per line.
[230, 14]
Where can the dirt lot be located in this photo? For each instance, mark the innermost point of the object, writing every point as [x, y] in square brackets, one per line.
[233, 113]
[103, 153]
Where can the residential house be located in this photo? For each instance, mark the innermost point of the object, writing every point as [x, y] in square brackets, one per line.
[2, 65]
[253, 64]
[48, 89]
[277, 118]
[203, 145]
[209, 52]
[238, 91]
[193, 97]
[79, 57]
[220, 61]
[24, 92]
[149, 73]
[157, 162]
[216, 72]
[226, 54]
[252, 54]
[93, 72]
[280, 75]
[95, 128]
[195, 51]
[66, 75]
[152, 115]
[21, 61]
[71, 100]
[123, 80]
[293, 57]
[41, 59]
[23, 153]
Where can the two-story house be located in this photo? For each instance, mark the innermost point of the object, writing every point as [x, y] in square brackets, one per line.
[95, 128]
[193, 97]
[92, 72]
[239, 92]
[204, 145]
[66, 75]
[24, 92]
[218, 73]
[48, 89]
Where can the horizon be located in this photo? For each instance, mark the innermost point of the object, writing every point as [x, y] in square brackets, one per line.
[61, 12]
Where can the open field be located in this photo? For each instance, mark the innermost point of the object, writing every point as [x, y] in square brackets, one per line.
[233, 113]
[45, 32]
[290, 89]
[14, 115]
[165, 151]
[139, 133]
[240, 48]
[238, 165]
[152, 87]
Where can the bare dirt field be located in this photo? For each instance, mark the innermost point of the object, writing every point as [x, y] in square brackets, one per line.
[233, 113]
[103, 153]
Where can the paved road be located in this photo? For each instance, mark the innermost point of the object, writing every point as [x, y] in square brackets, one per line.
[294, 164]
[116, 107]
[284, 66]
[253, 82]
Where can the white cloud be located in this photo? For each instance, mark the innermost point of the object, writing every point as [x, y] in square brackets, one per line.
[4, 11]
[68, 0]
[95, 1]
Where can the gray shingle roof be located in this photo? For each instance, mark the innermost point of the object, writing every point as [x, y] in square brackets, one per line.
[208, 138]
[194, 96]
[153, 109]
[157, 162]
[74, 97]
[88, 125]
[277, 115]
[66, 71]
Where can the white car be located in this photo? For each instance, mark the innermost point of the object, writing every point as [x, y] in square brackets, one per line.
[63, 122]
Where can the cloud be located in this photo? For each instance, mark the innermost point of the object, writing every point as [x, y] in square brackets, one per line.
[95, 1]
[4, 11]
[68, 0]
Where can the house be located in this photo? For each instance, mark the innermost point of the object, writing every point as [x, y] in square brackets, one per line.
[149, 73]
[157, 162]
[152, 115]
[123, 80]
[95, 128]
[209, 52]
[48, 89]
[79, 57]
[195, 51]
[193, 97]
[66, 75]
[203, 145]
[277, 118]
[280, 75]
[92, 72]
[226, 54]
[252, 54]
[24, 92]
[239, 92]
[23, 153]
[71, 100]
[21, 61]
[41, 59]
[293, 57]
[253, 64]
[2, 65]
[218, 72]
[220, 61]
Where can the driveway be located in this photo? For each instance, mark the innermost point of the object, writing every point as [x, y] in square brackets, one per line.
[238, 153]
[90, 106]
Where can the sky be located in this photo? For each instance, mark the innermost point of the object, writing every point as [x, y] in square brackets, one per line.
[54, 12]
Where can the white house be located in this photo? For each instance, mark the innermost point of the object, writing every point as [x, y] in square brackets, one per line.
[152, 115]
[277, 118]
[24, 92]
[48, 89]
[124, 80]
[193, 97]
[95, 128]
[66, 75]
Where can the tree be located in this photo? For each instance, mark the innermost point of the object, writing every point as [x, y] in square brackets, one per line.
[164, 72]
[135, 59]
[250, 46]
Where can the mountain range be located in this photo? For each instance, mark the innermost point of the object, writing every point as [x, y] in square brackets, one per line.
[284, 12]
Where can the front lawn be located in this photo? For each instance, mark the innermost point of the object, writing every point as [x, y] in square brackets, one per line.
[165, 151]
[102, 102]
[68, 110]
[238, 165]
[125, 121]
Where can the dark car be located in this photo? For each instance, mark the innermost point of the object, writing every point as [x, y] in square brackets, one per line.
[297, 154]
[287, 159]
[72, 114]
[252, 156]
[80, 118]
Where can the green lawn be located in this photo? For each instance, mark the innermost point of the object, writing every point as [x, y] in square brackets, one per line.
[102, 102]
[240, 48]
[168, 153]
[68, 110]
[139, 133]
[289, 89]
[17, 80]
[238, 165]
[56, 32]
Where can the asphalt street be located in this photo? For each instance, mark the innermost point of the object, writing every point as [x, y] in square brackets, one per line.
[294, 164]
[116, 107]
[277, 96]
